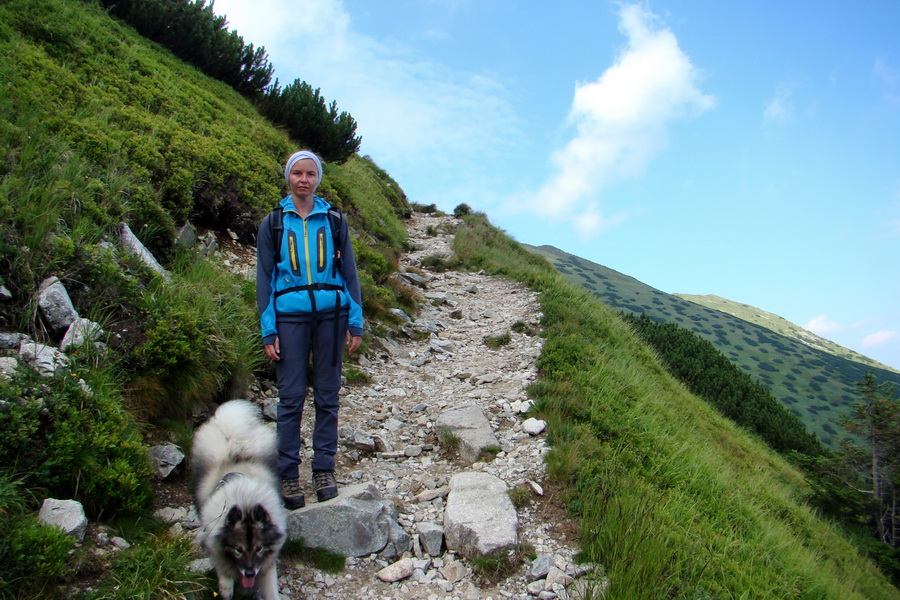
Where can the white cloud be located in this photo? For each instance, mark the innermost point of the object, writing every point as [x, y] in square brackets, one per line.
[409, 111]
[884, 72]
[880, 338]
[780, 109]
[823, 325]
[621, 120]
[890, 76]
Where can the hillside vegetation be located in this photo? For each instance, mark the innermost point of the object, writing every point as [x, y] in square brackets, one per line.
[672, 498]
[816, 385]
[98, 127]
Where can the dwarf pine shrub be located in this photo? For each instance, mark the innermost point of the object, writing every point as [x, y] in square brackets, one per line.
[461, 210]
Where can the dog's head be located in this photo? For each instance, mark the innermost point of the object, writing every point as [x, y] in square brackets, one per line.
[251, 539]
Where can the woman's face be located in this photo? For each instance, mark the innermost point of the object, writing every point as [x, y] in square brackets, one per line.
[304, 178]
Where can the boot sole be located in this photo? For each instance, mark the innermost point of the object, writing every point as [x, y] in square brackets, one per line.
[326, 494]
[293, 503]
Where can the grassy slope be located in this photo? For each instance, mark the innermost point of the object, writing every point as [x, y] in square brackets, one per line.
[673, 500]
[815, 385]
[780, 326]
[100, 126]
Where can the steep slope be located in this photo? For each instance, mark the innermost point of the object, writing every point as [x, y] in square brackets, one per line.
[100, 126]
[781, 326]
[815, 385]
[673, 500]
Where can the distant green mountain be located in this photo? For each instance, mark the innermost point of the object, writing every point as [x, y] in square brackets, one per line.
[781, 326]
[815, 384]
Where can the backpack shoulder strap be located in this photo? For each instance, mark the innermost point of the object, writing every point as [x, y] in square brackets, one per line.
[276, 223]
[335, 221]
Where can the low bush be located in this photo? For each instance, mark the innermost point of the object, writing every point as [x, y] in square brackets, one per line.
[73, 443]
[32, 555]
[500, 564]
[202, 341]
[462, 210]
[498, 341]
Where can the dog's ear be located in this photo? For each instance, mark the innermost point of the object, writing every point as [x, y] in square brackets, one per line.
[234, 515]
[259, 514]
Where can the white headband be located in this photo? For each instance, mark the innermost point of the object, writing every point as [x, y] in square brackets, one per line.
[300, 156]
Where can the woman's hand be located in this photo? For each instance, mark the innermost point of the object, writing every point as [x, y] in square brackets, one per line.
[273, 350]
[353, 342]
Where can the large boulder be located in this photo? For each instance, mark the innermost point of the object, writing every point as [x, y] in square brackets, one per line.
[469, 425]
[68, 515]
[165, 459]
[130, 243]
[480, 518]
[46, 360]
[356, 523]
[80, 331]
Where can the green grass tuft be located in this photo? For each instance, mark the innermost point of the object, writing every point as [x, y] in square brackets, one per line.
[318, 558]
[449, 440]
[498, 341]
[496, 566]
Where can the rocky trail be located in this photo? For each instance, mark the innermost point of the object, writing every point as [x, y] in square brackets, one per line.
[473, 347]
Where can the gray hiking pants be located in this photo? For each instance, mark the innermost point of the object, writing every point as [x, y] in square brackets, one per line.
[297, 343]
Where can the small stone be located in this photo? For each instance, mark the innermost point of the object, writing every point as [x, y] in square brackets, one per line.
[454, 571]
[540, 566]
[171, 515]
[557, 576]
[401, 569]
[534, 426]
[413, 451]
[535, 587]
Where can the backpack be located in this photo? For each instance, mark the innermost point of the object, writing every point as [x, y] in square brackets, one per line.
[335, 221]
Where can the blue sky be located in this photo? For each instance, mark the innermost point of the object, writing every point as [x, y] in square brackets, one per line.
[745, 149]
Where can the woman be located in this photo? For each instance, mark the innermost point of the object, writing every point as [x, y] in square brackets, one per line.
[307, 292]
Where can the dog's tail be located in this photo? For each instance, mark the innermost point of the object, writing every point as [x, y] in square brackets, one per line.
[236, 433]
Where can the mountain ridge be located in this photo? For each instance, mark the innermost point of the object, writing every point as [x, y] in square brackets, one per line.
[780, 325]
[814, 384]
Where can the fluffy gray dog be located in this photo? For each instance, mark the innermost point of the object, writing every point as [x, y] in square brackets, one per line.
[237, 496]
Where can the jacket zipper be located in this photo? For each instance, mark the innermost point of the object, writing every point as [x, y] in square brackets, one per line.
[306, 246]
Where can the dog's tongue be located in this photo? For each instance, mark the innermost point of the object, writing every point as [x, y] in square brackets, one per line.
[247, 582]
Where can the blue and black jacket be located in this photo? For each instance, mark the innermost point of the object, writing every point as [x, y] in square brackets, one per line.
[307, 281]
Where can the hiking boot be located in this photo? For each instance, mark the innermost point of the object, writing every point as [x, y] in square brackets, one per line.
[325, 484]
[291, 494]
